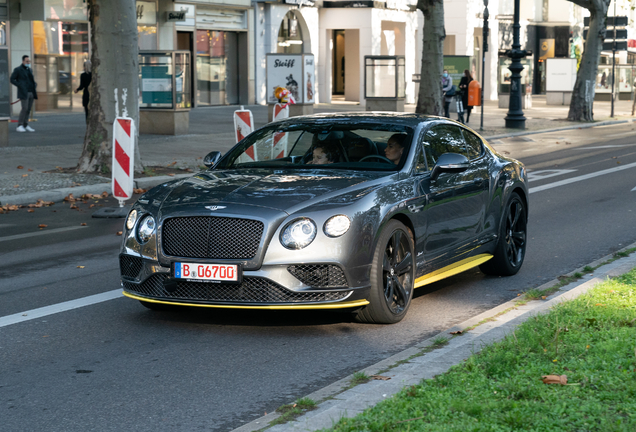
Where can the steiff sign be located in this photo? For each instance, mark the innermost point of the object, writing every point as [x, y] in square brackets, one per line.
[294, 72]
[175, 16]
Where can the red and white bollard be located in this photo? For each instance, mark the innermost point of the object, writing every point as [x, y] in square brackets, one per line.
[123, 158]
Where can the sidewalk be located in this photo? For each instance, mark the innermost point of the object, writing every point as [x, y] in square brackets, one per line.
[423, 361]
[58, 140]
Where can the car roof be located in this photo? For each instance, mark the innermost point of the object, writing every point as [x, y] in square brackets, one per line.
[393, 118]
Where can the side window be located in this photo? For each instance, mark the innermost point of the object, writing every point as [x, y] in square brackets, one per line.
[420, 163]
[473, 145]
[444, 139]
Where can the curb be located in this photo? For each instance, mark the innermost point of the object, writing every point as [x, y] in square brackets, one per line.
[58, 195]
[337, 400]
[578, 126]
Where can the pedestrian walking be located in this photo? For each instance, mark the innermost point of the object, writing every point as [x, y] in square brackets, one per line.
[449, 92]
[22, 78]
[463, 87]
[85, 81]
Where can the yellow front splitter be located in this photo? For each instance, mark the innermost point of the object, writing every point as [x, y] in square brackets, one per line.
[344, 305]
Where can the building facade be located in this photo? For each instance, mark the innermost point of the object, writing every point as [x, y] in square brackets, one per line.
[228, 42]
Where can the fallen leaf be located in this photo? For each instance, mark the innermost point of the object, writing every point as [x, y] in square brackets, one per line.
[20, 167]
[42, 226]
[119, 233]
[29, 169]
[171, 174]
[458, 332]
[80, 266]
[544, 297]
[17, 186]
[555, 379]
[30, 211]
[173, 163]
[140, 191]
[380, 377]
[25, 175]
[91, 206]
[104, 194]
[69, 198]
[83, 224]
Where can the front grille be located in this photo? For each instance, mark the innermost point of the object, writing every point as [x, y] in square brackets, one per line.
[130, 266]
[251, 290]
[319, 275]
[211, 237]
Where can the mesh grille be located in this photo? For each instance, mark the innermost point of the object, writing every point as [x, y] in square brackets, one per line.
[212, 237]
[251, 290]
[319, 275]
[130, 266]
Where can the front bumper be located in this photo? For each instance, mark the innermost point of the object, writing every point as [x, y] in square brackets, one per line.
[313, 286]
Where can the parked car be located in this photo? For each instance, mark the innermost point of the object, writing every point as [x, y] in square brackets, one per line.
[330, 211]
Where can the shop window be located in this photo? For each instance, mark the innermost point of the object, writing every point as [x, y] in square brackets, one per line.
[147, 25]
[290, 36]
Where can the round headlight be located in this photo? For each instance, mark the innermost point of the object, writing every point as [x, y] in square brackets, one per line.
[298, 234]
[132, 218]
[337, 226]
[145, 229]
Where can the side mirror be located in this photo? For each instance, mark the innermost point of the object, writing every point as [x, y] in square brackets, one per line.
[211, 159]
[449, 162]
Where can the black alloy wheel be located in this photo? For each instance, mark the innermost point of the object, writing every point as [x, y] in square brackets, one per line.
[392, 276]
[511, 248]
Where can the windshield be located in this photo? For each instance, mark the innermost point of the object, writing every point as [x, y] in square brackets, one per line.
[337, 146]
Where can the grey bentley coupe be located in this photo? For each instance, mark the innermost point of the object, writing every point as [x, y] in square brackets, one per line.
[336, 211]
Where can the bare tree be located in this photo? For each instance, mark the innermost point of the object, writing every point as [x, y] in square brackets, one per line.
[429, 100]
[114, 86]
[582, 103]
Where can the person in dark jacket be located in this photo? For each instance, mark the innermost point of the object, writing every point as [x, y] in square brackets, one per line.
[463, 86]
[22, 78]
[85, 81]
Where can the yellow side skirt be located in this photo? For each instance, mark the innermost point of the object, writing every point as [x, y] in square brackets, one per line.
[343, 305]
[452, 269]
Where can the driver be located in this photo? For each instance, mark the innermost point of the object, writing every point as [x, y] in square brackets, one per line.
[395, 148]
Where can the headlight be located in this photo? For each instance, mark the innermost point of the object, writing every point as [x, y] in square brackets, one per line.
[298, 233]
[132, 218]
[145, 229]
[337, 226]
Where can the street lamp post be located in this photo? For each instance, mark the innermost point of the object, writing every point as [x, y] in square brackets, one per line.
[515, 118]
[484, 36]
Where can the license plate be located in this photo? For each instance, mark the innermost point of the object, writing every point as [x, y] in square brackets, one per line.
[207, 272]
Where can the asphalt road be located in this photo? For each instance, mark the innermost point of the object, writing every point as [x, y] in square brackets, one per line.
[115, 365]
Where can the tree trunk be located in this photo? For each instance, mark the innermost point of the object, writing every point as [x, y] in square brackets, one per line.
[582, 102]
[114, 85]
[429, 100]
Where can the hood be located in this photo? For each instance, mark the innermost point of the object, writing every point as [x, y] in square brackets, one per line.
[280, 189]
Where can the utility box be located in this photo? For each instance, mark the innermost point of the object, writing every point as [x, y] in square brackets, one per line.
[165, 95]
[384, 83]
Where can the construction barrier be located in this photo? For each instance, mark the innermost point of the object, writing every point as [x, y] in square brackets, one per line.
[123, 158]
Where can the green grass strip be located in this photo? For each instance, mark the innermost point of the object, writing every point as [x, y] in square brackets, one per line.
[591, 339]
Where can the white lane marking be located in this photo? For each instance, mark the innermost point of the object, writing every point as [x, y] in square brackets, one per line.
[543, 174]
[619, 134]
[44, 231]
[604, 147]
[633, 189]
[580, 178]
[60, 307]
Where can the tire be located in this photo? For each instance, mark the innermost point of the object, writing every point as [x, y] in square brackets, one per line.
[511, 247]
[157, 306]
[392, 276]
